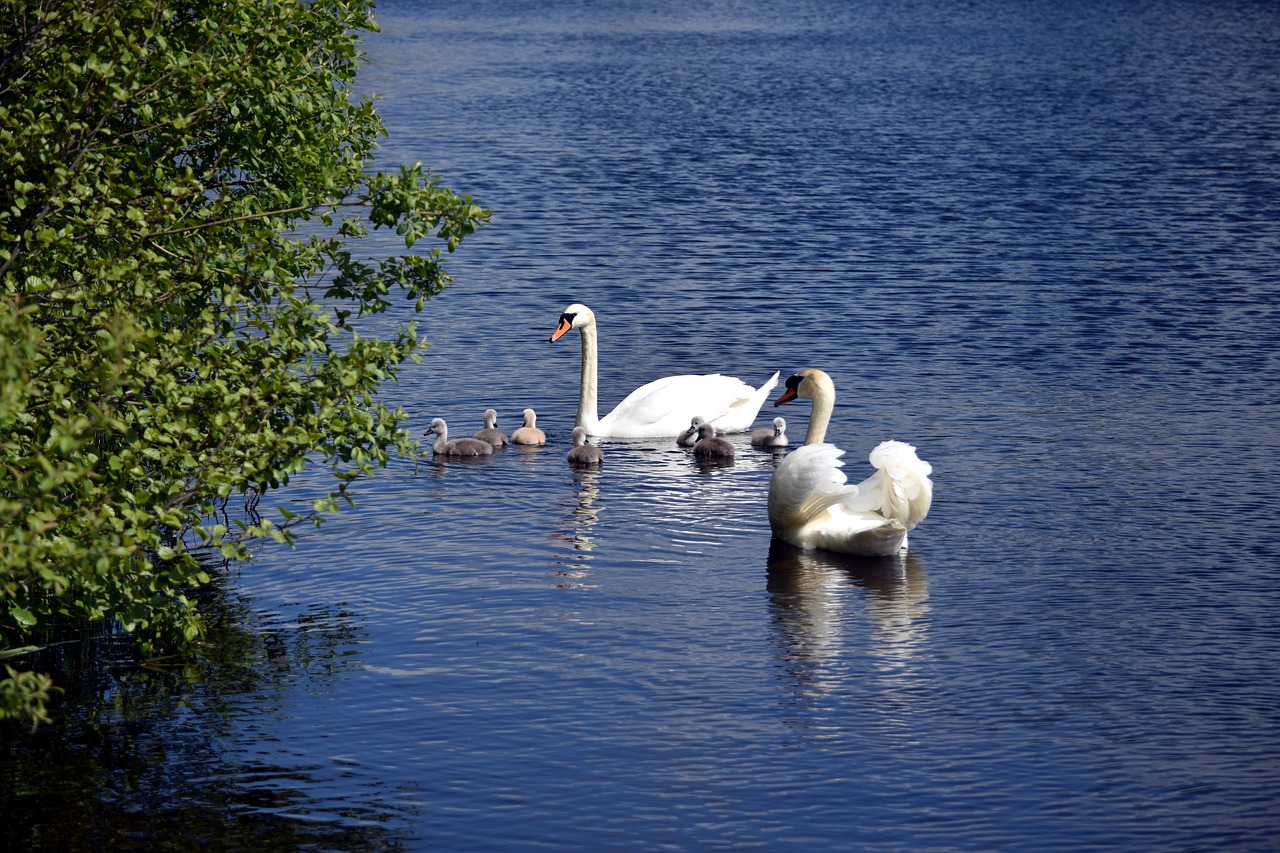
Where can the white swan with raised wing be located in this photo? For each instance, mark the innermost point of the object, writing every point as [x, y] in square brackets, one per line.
[810, 504]
[665, 406]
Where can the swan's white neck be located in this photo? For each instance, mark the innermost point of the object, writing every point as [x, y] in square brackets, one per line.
[587, 413]
[824, 401]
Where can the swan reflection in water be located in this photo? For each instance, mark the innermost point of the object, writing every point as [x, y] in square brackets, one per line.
[815, 597]
[577, 524]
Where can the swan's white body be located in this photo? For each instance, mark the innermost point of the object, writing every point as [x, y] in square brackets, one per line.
[665, 406]
[812, 506]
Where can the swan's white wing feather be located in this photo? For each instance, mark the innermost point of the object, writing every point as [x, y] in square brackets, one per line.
[806, 483]
[665, 406]
[900, 488]
[812, 506]
[868, 534]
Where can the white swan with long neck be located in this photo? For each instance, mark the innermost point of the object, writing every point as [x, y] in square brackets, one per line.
[810, 504]
[665, 406]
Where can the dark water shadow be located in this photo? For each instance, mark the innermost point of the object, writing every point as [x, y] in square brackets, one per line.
[710, 464]
[150, 755]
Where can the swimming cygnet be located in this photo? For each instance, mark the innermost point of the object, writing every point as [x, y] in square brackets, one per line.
[459, 446]
[774, 436]
[690, 436]
[529, 433]
[709, 446]
[583, 453]
[491, 433]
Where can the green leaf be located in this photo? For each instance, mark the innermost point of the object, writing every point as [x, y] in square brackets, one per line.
[22, 616]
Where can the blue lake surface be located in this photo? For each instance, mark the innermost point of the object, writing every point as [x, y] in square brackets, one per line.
[1039, 241]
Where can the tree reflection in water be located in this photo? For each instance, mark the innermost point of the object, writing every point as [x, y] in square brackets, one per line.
[147, 755]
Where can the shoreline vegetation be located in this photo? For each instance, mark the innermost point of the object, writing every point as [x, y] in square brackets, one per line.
[168, 340]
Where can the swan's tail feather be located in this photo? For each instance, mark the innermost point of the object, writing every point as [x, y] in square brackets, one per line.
[742, 412]
[756, 400]
[900, 489]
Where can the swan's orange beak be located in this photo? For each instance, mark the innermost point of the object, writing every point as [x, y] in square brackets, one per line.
[563, 326]
[787, 396]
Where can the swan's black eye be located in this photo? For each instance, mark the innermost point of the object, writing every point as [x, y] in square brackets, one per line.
[793, 382]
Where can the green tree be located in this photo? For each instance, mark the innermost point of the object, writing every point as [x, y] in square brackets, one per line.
[183, 201]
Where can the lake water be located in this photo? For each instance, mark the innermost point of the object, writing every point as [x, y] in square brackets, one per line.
[1040, 241]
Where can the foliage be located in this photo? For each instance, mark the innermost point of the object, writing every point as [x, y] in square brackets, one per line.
[183, 202]
[28, 691]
